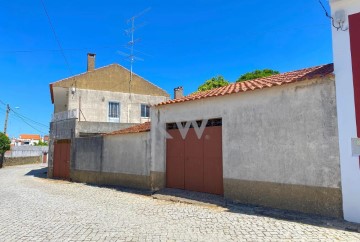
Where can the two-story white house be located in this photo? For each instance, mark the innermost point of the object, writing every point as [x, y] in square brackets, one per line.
[97, 101]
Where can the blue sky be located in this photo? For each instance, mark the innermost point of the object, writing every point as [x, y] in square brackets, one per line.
[183, 43]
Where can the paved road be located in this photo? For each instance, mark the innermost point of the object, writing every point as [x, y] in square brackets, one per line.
[38, 209]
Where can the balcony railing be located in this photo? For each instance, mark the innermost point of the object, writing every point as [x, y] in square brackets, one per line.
[70, 114]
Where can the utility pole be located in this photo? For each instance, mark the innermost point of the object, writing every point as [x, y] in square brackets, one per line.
[6, 117]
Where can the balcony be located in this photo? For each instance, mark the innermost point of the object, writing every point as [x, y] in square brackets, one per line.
[70, 114]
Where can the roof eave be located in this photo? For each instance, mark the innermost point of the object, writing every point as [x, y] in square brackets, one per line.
[52, 93]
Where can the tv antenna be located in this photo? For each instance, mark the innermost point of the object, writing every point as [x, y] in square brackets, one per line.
[131, 56]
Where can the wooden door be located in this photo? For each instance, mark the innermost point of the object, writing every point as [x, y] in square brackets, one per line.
[61, 162]
[195, 164]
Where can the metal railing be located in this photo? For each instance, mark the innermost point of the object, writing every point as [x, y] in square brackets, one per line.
[69, 114]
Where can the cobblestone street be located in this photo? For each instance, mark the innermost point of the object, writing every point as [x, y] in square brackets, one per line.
[33, 208]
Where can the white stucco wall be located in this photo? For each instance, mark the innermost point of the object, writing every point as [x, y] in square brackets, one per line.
[95, 104]
[61, 100]
[350, 172]
[285, 134]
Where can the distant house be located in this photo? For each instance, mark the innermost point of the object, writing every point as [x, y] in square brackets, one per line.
[98, 101]
[28, 139]
[45, 138]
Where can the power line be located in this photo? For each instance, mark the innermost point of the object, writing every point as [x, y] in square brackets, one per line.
[56, 37]
[19, 117]
[57, 50]
[35, 122]
[26, 119]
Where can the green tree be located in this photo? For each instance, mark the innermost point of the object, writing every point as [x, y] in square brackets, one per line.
[4, 146]
[41, 143]
[217, 81]
[257, 74]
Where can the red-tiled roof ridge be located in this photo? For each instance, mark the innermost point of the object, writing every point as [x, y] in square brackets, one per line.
[30, 136]
[259, 83]
[144, 127]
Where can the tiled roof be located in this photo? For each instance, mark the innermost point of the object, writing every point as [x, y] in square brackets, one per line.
[30, 136]
[260, 83]
[145, 127]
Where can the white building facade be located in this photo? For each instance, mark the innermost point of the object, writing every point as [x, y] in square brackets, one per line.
[346, 49]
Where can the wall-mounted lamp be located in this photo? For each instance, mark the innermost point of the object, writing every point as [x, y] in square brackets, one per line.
[339, 20]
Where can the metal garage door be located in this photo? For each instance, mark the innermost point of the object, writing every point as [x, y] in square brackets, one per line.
[61, 162]
[195, 164]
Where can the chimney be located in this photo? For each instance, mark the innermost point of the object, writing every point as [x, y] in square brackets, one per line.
[90, 62]
[178, 92]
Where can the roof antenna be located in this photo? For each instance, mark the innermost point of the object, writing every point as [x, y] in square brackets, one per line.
[131, 56]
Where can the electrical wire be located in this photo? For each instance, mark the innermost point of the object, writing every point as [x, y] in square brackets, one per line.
[26, 119]
[57, 50]
[19, 117]
[56, 37]
[29, 119]
[341, 24]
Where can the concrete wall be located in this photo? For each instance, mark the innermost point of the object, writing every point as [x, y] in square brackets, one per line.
[281, 135]
[350, 175]
[71, 128]
[26, 151]
[84, 127]
[94, 105]
[127, 153]
[113, 160]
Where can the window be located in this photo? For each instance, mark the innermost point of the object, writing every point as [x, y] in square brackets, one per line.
[114, 112]
[145, 111]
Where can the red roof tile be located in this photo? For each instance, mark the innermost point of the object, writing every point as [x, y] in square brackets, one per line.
[30, 136]
[260, 83]
[145, 127]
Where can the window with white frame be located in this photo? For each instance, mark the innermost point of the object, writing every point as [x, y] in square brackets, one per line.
[145, 111]
[114, 112]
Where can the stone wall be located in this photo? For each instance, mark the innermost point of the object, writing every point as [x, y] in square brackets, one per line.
[15, 161]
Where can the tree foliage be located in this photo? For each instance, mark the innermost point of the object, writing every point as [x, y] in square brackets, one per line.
[41, 143]
[4, 146]
[4, 143]
[256, 74]
[217, 81]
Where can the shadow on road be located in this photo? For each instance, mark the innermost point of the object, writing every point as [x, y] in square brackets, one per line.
[197, 198]
[210, 200]
[41, 172]
[123, 189]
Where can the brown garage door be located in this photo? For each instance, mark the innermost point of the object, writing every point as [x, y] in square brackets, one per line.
[195, 164]
[61, 162]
